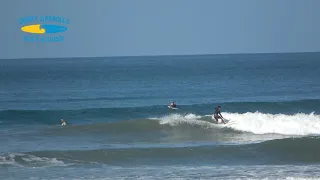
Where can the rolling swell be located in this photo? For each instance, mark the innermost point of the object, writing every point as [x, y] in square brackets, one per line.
[174, 123]
[52, 117]
[254, 123]
[282, 151]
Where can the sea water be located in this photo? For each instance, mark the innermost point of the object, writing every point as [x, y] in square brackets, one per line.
[119, 125]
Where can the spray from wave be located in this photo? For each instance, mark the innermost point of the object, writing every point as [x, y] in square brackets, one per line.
[177, 119]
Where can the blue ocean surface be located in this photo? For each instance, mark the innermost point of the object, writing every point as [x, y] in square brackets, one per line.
[119, 125]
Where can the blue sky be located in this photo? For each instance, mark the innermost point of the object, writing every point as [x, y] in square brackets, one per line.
[166, 27]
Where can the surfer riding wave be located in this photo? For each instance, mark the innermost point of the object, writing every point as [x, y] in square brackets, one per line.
[217, 114]
[173, 105]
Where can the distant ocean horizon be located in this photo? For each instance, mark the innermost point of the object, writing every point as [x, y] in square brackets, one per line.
[119, 125]
[163, 55]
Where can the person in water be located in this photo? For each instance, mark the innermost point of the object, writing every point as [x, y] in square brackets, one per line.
[63, 122]
[217, 114]
[173, 105]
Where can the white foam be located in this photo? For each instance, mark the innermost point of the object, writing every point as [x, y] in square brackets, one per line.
[9, 159]
[260, 123]
[256, 123]
[42, 161]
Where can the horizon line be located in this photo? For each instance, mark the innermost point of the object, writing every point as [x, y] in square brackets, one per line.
[164, 55]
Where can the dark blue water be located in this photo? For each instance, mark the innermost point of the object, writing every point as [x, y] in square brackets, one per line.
[117, 115]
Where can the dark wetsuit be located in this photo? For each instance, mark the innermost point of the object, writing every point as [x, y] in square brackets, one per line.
[217, 114]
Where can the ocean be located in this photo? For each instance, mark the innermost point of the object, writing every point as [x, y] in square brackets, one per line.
[120, 126]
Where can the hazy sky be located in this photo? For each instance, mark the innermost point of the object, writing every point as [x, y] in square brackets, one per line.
[165, 27]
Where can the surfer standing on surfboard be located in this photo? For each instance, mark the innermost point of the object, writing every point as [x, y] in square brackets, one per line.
[173, 105]
[64, 123]
[217, 114]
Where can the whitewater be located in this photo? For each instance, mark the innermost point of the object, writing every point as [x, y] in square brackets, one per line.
[256, 123]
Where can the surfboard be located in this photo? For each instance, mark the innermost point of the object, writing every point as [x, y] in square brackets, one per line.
[227, 122]
[172, 107]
